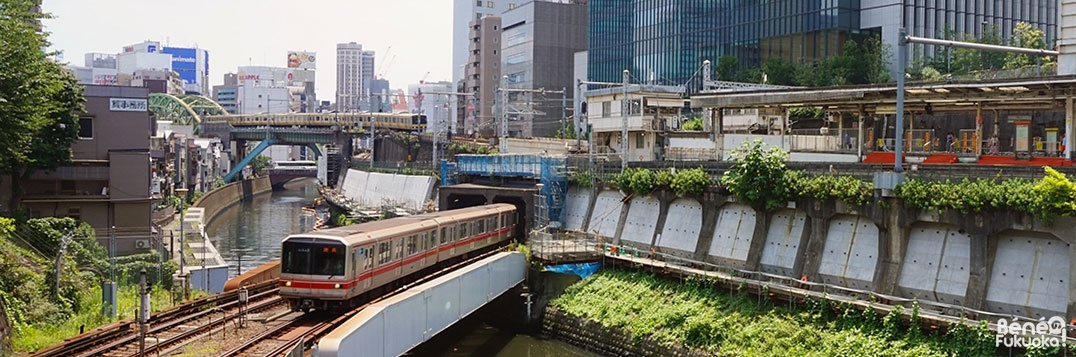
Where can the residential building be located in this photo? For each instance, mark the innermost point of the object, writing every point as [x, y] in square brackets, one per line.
[665, 42]
[538, 43]
[354, 74]
[108, 183]
[650, 110]
[483, 77]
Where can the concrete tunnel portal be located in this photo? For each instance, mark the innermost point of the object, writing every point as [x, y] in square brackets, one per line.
[469, 195]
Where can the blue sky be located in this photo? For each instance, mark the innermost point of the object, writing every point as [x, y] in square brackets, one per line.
[260, 32]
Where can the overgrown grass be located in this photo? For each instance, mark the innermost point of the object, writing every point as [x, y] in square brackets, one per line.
[32, 337]
[695, 315]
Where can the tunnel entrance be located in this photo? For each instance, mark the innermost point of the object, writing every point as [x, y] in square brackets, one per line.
[457, 201]
[522, 215]
[468, 195]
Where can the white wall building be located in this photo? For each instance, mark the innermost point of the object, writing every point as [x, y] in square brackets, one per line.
[129, 62]
[354, 72]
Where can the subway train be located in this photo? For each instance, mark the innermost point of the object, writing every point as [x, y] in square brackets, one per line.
[329, 269]
[404, 121]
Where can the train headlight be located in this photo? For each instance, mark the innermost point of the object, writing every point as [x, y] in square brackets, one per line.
[287, 283]
[337, 286]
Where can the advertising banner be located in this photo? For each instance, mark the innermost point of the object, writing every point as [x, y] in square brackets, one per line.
[301, 60]
[184, 62]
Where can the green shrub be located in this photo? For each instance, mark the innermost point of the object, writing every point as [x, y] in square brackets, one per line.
[758, 176]
[690, 182]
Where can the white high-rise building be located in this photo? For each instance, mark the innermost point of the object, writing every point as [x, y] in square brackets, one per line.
[463, 12]
[354, 72]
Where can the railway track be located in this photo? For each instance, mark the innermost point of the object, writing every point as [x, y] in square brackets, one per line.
[309, 328]
[121, 338]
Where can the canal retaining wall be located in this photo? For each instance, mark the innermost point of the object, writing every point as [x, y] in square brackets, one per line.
[204, 266]
[607, 341]
[216, 200]
[1000, 262]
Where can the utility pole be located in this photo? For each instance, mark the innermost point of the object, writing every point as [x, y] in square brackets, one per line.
[624, 126]
[443, 125]
[143, 312]
[182, 192]
[504, 115]
[564, 113]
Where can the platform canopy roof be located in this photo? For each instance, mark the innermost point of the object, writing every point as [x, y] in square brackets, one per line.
[1041, 93]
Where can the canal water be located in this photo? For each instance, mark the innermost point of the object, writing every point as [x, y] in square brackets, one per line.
[252, 230]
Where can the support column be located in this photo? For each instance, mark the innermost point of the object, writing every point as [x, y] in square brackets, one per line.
[979, 263]
[624, 208]
[711, 207]
[978, 131]
[1070, 113]
[758, 240]
[665, 199]
[859, 132]
[892, 245]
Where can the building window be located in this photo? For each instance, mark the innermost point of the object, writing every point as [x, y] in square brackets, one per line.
[515, 58]
[511, 5]
[489, 4]
[516, 77]
[479, 3]
[640, 138]
[607, 109]
[85, 128]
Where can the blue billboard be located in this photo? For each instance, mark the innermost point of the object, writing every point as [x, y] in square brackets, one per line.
[184, 62]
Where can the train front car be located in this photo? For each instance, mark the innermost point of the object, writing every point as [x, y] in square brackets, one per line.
[313, 272]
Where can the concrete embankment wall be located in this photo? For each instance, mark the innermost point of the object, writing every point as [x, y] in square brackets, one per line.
[1000, 262]
[374, 189]
[206, 268]
[607, 341]
[216, 200]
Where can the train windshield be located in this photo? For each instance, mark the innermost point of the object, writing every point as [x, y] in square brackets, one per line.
[418, 120]
[312, 257]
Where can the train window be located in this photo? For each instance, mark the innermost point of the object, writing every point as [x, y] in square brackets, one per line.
[463, 230]
[433, 240]
[412, 245]
[444, 235]
[399, 249]
[481, 227]
[384, 252]
[367, 257]
[313, 258]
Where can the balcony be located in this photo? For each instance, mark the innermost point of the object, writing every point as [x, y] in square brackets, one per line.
[615, 124]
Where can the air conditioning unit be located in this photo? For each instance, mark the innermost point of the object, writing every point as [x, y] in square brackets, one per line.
[142, 244]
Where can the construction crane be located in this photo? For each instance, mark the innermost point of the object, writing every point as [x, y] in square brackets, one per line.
[423, 80]
[385, 68]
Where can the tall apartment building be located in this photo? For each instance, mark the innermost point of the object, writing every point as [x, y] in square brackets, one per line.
[669, 40]
[354, 74]
[482, 77]
[539, 41]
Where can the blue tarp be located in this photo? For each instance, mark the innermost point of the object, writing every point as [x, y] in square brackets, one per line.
[583, 270]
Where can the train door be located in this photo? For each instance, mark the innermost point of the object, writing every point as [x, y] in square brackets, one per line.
[398, 246]
[366, 259]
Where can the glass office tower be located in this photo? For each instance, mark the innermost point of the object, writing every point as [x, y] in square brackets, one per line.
[667, 40]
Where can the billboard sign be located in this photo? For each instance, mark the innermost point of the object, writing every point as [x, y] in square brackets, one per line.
[127, 105]
[184, 62]
[301, 60]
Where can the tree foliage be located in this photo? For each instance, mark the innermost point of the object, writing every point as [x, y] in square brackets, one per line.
[758, 176]
[260, 165]
[39, 99]
[726, 68]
